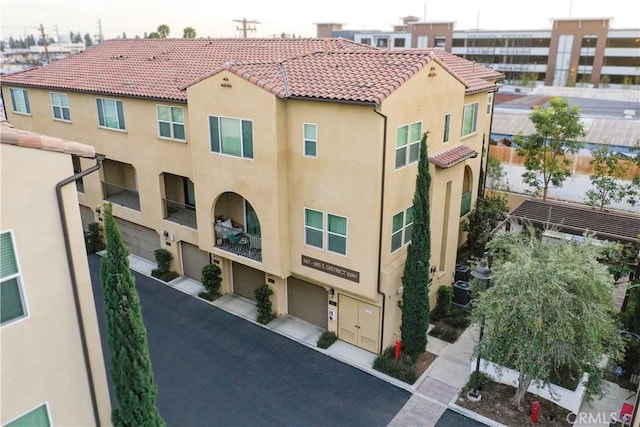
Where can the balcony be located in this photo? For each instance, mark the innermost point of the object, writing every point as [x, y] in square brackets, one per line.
[180, 213]
[465, 206]
[121, 196]
[238, 242]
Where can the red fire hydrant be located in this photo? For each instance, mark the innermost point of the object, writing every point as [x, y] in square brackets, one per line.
[536, 409]
[398, 348]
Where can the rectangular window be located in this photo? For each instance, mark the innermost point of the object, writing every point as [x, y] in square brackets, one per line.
[337, 234]
[170, 122]
[398, 42]
[38, 417]
[447, 127]
[110, 113]
[313, 228]
[20, 101]
[408, 144]
[60, 106]
[382, 43]
[12, 306]
[469, 119]
[489, 102]
[401, 229]
[310, 140]
[233, 137]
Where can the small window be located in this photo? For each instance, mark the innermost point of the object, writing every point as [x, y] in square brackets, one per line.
[440, 42]
[398, 42]
[382, 43]
[366, 41]
[38, 417]
[110, 113]
[337, 234]
[310, 140]
[489, 102]
[60, 106]
[408, 144]
[12, 306]
[170, 122]
[447, 127]
[401, 229]
[20, 101]
[233, 137]
[313, 228]
[470, 119]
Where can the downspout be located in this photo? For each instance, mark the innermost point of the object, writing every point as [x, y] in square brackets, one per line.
[74, 280]
[384, 155]
[484, 172]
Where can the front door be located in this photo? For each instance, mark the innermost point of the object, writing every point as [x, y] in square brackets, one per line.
[358, 323]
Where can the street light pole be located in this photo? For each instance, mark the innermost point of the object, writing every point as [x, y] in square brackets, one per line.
[481, 272]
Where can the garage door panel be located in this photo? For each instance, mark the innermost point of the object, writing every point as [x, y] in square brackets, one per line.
[307, 301]
[246, 279]
[193, 259]
[140, 240]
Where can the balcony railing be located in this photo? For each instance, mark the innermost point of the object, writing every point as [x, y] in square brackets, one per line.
[465, 207]
[180, 213]
[121, 196]
[238, 242]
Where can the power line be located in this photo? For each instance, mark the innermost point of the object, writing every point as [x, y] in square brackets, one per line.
[245, 27]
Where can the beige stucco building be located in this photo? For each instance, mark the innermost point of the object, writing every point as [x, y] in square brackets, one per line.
[286, 162]
[52, 370]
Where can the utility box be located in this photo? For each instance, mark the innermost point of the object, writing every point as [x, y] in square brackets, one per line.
[461, 294]
[462, 273]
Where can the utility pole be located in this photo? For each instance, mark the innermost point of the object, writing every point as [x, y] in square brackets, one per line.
[100, 29]
[44, 43]
[245, 27]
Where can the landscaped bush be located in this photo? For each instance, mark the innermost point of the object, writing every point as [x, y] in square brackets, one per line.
[211, 281]
[163, 272]
[402, 369]
[443, 304]
[326, 339]
[263, 303]
[483, 380]
[93, 238]
[445, 332]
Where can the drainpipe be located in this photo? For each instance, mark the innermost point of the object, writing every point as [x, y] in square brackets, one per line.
[384, 155]
[74, 280]
[484, 172]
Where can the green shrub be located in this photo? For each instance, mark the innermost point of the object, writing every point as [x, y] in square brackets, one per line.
[483, 378]
[443, 304]
[445, 332]
[326, 339]
[93, 238]
[165, 276]
[211, 278]
[402, 369]
[263, 303]
[163, 272]
[459, 321]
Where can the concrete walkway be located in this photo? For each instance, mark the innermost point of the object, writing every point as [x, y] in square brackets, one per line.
[434, 392]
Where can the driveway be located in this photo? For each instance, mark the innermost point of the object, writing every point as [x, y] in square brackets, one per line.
[213, 368]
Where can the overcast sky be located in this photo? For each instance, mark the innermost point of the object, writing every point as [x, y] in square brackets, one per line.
[215, 18]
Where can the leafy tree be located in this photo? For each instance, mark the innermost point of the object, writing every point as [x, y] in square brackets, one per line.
[154, 35]
[488, 213]
[609, 168]
[495, 173]
[29, 41]
[77, 38]
[189, 33]
[12, 43]
[548, 311]
[124, 35]
[558, 130]
[619, 259]
[131, 369]
[87, 40]
[415, 279]
[163, 31]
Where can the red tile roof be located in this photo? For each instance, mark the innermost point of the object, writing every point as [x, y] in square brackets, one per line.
[12, 136]
[456, 154]
[335, 69]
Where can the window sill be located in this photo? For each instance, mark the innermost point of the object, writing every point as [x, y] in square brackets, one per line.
[462, 138]
[179, 141]
[112, 129]
[62, 121]
[23, 114]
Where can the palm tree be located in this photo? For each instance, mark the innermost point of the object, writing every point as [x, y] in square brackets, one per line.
[163, 30]
[189, 33]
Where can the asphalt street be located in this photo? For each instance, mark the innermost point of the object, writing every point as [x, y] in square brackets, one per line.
[215, 369]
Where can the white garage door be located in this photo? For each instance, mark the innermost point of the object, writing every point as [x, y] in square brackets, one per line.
[307, 301]
[193, 259]
[140, 240]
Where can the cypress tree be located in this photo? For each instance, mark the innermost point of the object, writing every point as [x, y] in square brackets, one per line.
[131, 370]
[415, 279]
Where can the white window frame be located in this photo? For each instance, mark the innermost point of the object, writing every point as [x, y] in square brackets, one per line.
[321, 230]
[403, 230]
[18, 276]
[171, 123]
[242, 155]
[60, 106]
[408, 145]
[489, 102]
[345, 236]
[473, 115]
[309, 140]
[15, 106]
[121, 127]
[46, 406]
[446, 136]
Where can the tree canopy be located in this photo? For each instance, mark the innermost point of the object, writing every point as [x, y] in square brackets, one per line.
[163, 31]
[548, 311]
[189, 33]
[558, 132]
[609, 170]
